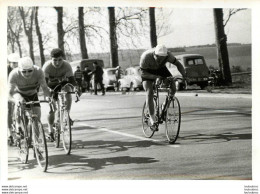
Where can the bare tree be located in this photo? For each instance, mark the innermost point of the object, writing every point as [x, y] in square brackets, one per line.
[113, 37]
[222, 51]
[39, 34]
[60, 28]
[14, 30]
[153, 36]
[27, 16]
[221, 43]
[82, 40]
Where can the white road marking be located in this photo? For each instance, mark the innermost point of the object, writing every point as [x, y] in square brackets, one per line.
[128, 135]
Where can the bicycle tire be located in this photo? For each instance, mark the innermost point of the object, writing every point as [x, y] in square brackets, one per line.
[66, 131]
[40, 144]
[146, 122]
[23, 143]
[173, 120]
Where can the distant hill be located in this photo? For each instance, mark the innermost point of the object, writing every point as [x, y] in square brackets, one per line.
[239, 55]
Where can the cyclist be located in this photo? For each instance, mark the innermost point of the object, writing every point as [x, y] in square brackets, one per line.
[12, 63]
[152, 64]
[23, 83]
[58, 70]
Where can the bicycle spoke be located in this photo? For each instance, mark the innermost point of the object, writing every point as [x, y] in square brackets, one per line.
[146, 122]
[173, 120]
[66, 131]
[40, 145]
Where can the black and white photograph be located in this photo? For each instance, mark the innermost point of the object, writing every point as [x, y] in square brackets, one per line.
[159, 97]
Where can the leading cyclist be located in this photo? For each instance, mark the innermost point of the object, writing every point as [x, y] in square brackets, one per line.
[58, 70]
[152, 64]
[23, 84]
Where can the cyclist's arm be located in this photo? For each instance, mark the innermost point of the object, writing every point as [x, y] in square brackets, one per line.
[43, 83]
[179, 66]
[72, 81]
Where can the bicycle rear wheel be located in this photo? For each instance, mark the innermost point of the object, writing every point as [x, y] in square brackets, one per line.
[173, 120]
[146, 122]
[23, 143]
[66, 131]
[40, 144]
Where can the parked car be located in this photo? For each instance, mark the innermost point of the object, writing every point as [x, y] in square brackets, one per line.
[131, 80]
[196, 70]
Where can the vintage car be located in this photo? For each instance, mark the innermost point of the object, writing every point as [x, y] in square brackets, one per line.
[196, 70]
[131, 80]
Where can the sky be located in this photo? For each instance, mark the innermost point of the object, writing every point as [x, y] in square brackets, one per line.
[189, 27]
[196, 27]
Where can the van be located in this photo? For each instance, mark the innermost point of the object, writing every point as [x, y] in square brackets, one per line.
[195, 67]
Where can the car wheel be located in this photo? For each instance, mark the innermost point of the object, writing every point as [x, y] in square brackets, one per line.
[132, 87]
[203, 85]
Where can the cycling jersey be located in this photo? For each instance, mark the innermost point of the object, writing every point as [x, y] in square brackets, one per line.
[148, 61]
[25, 86]
[56, 75]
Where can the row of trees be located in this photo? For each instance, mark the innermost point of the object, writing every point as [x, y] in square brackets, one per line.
[122, 22]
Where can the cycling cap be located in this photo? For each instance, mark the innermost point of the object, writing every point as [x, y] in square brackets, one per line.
[25, 63]
[13, 58]
[57, 52]
[160, 50]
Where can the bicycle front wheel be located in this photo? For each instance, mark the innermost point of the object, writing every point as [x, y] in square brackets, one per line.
[40, 144]
[146, 122]
[173, 120]
[66, 131]
[23, 143]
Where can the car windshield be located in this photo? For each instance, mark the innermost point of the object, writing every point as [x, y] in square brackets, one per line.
[195, 61]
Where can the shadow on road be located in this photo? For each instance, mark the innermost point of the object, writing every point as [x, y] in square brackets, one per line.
[80, 163]
[204, 138]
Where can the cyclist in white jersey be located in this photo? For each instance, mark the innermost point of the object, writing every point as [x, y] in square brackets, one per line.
[57, 70]
[23, 85]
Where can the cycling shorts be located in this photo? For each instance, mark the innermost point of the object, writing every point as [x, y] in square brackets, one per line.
[33, 97]
[163, 72]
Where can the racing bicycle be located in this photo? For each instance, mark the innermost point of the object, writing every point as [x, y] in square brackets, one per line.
[169, 113]
[63, 122]
[32, 135]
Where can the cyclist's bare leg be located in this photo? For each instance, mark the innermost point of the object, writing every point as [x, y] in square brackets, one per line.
[148, 87]
[68, 98]
[10, 117]
[172, 89]
[50, 120]
[37, 110]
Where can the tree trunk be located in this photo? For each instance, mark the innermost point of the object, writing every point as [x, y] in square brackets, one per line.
[38, 32]
[113, 37]
[60, 30]
[153, 36]
[28, 28]
[82, 40]
[222, 51]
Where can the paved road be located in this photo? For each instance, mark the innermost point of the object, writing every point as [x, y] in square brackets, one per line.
[215, 142]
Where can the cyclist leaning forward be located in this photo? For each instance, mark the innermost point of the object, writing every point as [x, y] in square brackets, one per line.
[23, 85]
[152, 64]
[58, 70]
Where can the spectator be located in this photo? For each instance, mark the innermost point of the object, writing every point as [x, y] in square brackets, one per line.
[98, 78]
[87, 77]
[78, 77]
